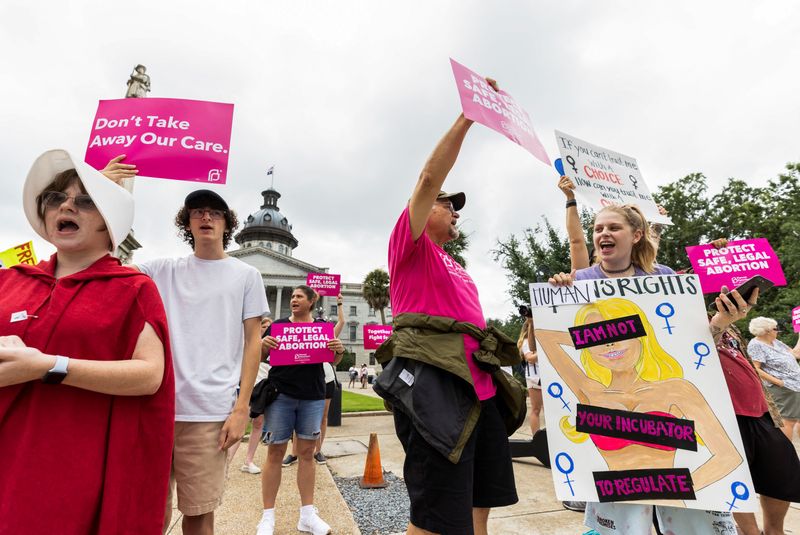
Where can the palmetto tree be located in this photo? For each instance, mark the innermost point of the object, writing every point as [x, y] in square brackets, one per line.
[376, 291]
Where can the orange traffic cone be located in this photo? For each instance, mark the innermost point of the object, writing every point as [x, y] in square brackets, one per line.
[373, 471]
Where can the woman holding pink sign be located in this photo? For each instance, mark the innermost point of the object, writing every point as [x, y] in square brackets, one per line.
[297, 409]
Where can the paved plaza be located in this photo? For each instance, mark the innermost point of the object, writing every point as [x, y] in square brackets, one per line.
[538, 511]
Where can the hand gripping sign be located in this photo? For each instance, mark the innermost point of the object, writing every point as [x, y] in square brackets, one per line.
[732, 265]
[375, 335]
[19, 254]
[634, 418]
[324, 283]
[603, 177]
[496, 109]
[164, 137]
[301, 343]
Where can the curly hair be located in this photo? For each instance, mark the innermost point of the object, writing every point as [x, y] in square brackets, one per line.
[760, 326]
[185, 233]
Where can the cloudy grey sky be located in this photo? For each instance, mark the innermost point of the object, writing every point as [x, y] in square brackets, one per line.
[347, 99]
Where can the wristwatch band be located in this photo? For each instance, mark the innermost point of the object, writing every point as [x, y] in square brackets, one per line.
[58, 372]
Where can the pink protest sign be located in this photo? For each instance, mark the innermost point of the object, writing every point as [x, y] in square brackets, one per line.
[796, 319]
[301, 343]
[375, 335]
[734, 264]
[164, 137]
[497, 110]
[324, 283]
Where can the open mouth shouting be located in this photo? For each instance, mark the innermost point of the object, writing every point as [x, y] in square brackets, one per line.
[607, 246]
[67, 225]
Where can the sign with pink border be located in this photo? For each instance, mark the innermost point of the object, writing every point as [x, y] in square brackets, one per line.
[375, 335]
[301, 343]
[732, 265]
[164, 137]
[324, 283]
[496, 109]
[796, 319]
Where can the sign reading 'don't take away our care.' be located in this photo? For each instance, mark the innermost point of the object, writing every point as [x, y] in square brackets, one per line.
[164, 137]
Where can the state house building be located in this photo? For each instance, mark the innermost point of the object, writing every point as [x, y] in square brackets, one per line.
[266, 242]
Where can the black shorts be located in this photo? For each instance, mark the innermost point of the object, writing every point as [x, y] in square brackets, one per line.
[773, 461]
[443, 494]
[330, 389]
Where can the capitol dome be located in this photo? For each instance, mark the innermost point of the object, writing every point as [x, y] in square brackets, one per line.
[268, 227]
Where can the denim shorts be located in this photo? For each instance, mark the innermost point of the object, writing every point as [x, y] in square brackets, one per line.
[287, 414]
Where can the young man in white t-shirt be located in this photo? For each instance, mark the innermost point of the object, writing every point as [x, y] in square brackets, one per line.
[214, 306]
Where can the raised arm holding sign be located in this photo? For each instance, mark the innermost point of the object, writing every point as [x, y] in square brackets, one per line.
[603, 177]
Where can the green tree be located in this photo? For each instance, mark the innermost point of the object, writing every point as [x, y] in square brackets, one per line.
[376, 291]
[688, 206]
[537, 255]
[510, 326]
[457, 247]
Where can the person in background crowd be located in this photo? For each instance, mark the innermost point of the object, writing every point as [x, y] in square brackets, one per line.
[257, 423]
[214, 305]
[532, 380]
[353, 373]
[778, 368]
[84, 347]
[330, 390]
[297, 409]
[362, 375]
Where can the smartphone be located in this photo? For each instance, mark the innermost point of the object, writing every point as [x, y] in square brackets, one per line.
[746, 288]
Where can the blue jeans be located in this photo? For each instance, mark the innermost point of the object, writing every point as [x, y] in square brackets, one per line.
[287, 414]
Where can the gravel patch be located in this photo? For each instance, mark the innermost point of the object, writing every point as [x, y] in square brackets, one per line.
[377, 511]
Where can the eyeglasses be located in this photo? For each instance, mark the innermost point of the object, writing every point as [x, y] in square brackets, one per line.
[54, 199]
[198, 213]
[447, 206]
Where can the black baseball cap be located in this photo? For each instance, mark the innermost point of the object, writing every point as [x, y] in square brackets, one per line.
[458, 199]
[205, 197]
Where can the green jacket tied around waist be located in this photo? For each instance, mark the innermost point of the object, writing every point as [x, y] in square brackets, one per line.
[427, 352]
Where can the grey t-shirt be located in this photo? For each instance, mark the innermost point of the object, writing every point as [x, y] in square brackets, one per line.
[777, 360]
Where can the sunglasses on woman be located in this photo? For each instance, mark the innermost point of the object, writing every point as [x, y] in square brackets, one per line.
[54, 199]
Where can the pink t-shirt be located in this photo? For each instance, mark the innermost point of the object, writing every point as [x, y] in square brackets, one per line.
[426, 280]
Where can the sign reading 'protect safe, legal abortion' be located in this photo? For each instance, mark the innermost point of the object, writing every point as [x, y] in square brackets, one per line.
[301, 343]
[164, 137]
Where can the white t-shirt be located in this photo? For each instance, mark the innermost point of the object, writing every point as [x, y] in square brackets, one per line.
[206, 302]
[330, 374]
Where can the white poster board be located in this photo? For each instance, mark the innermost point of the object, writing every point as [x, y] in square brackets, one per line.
[640, 412]
[603, 177]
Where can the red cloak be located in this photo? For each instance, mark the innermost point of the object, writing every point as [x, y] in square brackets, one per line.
[74, 461]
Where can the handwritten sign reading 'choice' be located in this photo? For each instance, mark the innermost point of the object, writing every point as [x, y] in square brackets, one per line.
[301, 343]
[164, 137]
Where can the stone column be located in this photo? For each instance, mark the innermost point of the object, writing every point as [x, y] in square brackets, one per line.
[278, 292]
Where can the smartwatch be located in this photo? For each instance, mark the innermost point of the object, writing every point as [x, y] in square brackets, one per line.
[57, 373]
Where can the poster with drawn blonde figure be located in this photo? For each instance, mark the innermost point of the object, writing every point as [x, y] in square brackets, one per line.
[635, 403]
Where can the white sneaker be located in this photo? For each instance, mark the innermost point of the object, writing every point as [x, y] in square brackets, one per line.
[266, 526]
[312, 524]
[250, 468]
